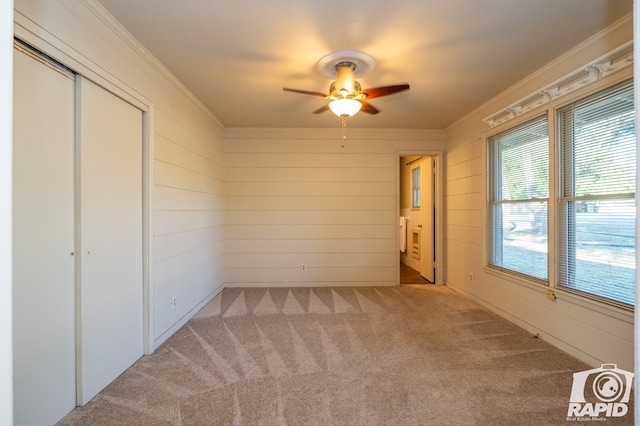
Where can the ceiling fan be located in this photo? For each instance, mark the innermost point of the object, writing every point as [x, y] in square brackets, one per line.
[346, 96]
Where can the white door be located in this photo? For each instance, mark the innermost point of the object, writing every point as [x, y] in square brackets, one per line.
[427, 220]
[44, 363]
[110, 243]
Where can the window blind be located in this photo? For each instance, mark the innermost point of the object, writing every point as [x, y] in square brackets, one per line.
[518, 199]
[596, 223]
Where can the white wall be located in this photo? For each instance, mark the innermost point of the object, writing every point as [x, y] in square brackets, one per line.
[6, 107]
[186, 192]
[589, 330]
[188, 218]
[308, 197]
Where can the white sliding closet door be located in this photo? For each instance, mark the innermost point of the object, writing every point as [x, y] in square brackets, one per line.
[44, 363]
[110, 246]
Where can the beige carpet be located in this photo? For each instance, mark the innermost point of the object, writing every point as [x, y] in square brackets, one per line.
[410, 355]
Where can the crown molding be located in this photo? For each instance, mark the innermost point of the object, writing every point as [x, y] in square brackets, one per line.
[138, 48]
[615, 34]
[613, 61]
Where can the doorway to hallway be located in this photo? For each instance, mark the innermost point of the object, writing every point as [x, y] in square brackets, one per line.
[420, 220]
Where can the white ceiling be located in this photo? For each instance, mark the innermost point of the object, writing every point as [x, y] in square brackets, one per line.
[236, 56]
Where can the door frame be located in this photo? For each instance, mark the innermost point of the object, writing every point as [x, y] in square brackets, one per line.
[438, 156]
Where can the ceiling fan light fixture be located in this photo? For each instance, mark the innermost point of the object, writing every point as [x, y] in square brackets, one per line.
[345, 107]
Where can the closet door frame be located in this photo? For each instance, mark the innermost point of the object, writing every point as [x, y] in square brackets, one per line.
[31, 34]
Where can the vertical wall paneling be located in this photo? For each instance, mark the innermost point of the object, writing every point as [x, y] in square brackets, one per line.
[110, 237]
[43, 241]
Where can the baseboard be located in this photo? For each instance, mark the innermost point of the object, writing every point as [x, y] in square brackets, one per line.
[531, 328]
[182, 321]
[310, 284]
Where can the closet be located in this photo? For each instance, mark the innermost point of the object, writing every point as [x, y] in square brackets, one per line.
[77, 238]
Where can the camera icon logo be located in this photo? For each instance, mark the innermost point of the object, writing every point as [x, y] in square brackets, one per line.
[603, 391]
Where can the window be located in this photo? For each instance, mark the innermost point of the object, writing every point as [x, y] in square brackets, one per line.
[415, 188]
[518, 199]
[595, 209]
[597, 172]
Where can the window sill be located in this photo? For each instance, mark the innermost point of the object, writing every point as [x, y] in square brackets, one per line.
[611, 310]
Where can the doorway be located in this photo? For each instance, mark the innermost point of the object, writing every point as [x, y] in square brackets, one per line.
[420, 233]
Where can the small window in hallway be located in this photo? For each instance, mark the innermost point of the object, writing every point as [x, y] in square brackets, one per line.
[415, 187]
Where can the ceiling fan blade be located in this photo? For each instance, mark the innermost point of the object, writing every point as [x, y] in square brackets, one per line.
[376, 92]
[368, 108]
[321, 109]
[305, 92]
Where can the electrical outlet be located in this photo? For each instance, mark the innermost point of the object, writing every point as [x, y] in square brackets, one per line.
[174, 302]
[303, 266]
[470, 277]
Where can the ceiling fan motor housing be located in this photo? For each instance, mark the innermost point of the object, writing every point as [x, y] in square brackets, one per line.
[345, 86]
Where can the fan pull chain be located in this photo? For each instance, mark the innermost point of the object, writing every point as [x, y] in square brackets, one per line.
[344, 125]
